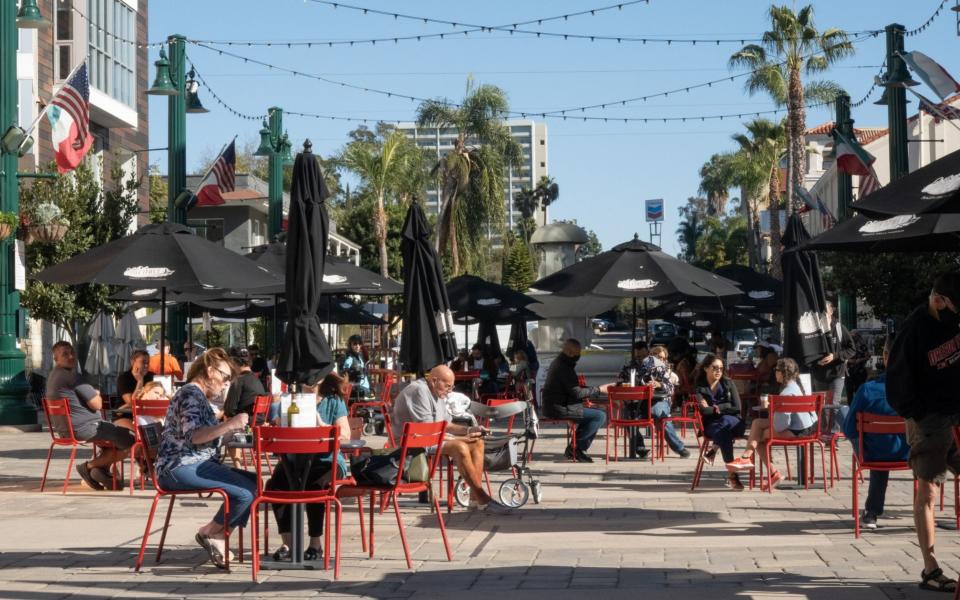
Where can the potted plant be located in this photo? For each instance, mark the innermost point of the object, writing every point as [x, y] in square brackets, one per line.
[46, 223]
[8, 224]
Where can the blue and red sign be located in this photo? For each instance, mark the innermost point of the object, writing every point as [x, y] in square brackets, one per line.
[654, 210]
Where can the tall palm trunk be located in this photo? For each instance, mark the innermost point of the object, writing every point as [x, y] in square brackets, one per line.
[746, 207]
[797, 119]
[447, 225]
[775, 233]
[380, 229]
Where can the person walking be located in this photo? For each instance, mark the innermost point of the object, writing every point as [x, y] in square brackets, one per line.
[829, 373]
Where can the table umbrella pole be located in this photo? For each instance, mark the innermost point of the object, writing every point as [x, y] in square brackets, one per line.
[646, 324]
[163, 325]
[190, 325]
[633, 327]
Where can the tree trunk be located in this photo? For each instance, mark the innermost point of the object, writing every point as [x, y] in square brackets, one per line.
[775, 234]
[454, 248]
[797, 121]
[381, 232]
[747, 209]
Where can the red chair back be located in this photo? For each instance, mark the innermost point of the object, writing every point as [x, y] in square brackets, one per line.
[796, 404]
[618, 396]
[261, 408]
[296, 440]
[143, 407]
[581, 381]
[386, 385]
[57, 413]
[422, 435]
[875, 424]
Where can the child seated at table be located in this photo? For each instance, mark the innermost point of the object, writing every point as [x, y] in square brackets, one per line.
[331, 410]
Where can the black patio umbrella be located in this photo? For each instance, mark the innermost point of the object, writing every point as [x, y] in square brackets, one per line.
[471, 295]
[901, 233]
[636, 269]
[716, 322]
[160, 256]
[761, 292]
[337, 310]
[804, 307]
[934, 188]
[428, 338]
[518, 336]
[305, 354]
[339, 276]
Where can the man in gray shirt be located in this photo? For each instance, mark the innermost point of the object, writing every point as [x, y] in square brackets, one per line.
[85, 404]
[423, 402]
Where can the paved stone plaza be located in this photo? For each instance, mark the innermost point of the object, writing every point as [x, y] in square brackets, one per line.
[629, 530]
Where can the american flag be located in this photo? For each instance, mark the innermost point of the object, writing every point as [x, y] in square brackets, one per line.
[221, 178]
[869, 184]
[826, 217]
[74, 98]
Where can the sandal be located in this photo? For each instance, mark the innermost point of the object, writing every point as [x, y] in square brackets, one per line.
[313, 554]
[282, 553]
[936, 581]
[216, 557]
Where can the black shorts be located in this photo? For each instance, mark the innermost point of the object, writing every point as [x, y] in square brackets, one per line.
[121, 437]
[805, 431]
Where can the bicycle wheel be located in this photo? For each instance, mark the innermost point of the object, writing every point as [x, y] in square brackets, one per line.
[461, 493]
[514, 493]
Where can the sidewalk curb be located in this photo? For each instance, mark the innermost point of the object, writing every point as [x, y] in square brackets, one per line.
[20, 428]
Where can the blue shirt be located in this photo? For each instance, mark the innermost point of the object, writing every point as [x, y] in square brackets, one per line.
[872, 398]
[793, 421]
[355, 361]
[330, 409]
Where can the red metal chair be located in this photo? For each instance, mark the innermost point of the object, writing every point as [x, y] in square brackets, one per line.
[261, 410]
[750, 396]
[57, 413]
[172, 494]
[873, 424]
[618, 400]
[705, 443]
[144, 408]
[382, 403]
[688, 416]
[415, 436]
[298, 440]
[794, 404]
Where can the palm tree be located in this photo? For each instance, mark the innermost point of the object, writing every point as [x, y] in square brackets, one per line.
[528, 201]
[471, 174]
[715, 180]
[756, 169]
[385, 166]
[691, 227]
[793, 44]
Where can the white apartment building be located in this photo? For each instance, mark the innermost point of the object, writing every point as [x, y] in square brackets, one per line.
[531, 136]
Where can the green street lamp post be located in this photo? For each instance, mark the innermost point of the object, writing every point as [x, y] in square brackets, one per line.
[897, 79]
[13, 383]
[846, 304]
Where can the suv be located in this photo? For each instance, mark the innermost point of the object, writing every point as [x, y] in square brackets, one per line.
[662, 332]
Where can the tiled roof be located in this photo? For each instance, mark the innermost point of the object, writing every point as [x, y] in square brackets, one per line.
[864, 136]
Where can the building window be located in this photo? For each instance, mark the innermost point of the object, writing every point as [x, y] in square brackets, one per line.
[209, 229]
[542, 164]
[64, 39]
[112, 58]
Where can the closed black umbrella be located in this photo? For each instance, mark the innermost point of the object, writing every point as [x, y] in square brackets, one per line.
[160, 256]
[804, 307]
[761, 292]
[934, 188]
[428, 338]
[636, 269]
[901, 233]
[305, 354]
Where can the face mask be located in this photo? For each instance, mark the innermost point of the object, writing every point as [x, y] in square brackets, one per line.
[948, 317]
[574, 359]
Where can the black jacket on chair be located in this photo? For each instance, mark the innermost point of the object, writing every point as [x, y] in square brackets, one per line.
[562, 395]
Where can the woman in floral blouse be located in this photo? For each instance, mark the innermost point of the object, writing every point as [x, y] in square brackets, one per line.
[655, 370]
[188, 455]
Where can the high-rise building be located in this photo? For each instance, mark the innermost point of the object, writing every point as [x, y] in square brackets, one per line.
[531, 136]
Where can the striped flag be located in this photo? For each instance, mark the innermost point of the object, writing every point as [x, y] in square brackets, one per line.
[851, 157]
[826, 217]
[219, 179]
[869, 183]
[69, 116]
[942, 111]
[932, 74]
[801, 192]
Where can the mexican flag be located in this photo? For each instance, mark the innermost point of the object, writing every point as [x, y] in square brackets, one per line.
[851, 157]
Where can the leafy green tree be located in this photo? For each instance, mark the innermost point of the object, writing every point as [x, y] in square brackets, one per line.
[356, 216]
[471, 173]
[95, 219]
[691, 227]
[592, 247]
[723, 242]
[528, 201]
[518, 268]
[716, 178]
[792, 45]
[157, 196]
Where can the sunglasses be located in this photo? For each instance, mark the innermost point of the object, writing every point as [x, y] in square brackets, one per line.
[716, 367]
[227, 376]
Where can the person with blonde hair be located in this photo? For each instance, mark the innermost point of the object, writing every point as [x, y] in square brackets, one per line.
[188, 456]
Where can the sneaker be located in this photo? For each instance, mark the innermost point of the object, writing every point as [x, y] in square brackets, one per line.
[582, 457]
[642, 453]
[740, 464]
[868, 520]
[683, 453]
[733, 482]
[568, 452]
[711, 454]
[495, 508]
[103, 478]
[87, 477]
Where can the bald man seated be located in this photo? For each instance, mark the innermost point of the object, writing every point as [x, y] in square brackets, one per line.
[423, 402]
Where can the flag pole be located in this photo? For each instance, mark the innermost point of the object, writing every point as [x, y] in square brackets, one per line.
[932, 106]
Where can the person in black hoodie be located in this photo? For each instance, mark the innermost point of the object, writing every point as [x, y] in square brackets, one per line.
[922, 376]
[830, 372]
[563, 398]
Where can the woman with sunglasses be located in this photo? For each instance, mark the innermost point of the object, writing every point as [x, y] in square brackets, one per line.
[720, 411]
[188, 457]
[785, 424]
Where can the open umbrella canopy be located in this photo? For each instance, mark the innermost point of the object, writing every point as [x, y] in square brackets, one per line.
[636, 269]
[901, 233]
[338, 310]
[715, 322]
[501, 316]
[473, 296]
[761, 292]
[305, 354]
[428, 337]
[804, 310]
[934, 188]
[163, 255]
[340, 276]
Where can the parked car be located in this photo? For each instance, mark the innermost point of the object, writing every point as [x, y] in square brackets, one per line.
[662, 332]
[601, 325]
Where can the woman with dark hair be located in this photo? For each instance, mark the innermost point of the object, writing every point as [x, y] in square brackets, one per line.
[355, 367]
[720, 411]
[766, 371]
[331, 410]
[187, 458]
[242, 394]
[785, 424]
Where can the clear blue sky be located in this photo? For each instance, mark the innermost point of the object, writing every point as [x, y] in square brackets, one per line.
[605, 171]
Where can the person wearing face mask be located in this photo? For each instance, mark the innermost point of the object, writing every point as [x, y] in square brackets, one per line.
[563, 398]
[922, 375]
[188, 455]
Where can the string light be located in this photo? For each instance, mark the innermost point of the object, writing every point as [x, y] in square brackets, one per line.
[873, 87]
[220, 101]
[927, 23]
[122, 40]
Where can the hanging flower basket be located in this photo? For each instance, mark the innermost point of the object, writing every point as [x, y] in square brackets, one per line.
[50, 233]
[5, 231]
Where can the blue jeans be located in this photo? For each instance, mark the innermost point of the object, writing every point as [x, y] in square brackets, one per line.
[587, 427]
[660, 410]
[240, 486]
[877, 492]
